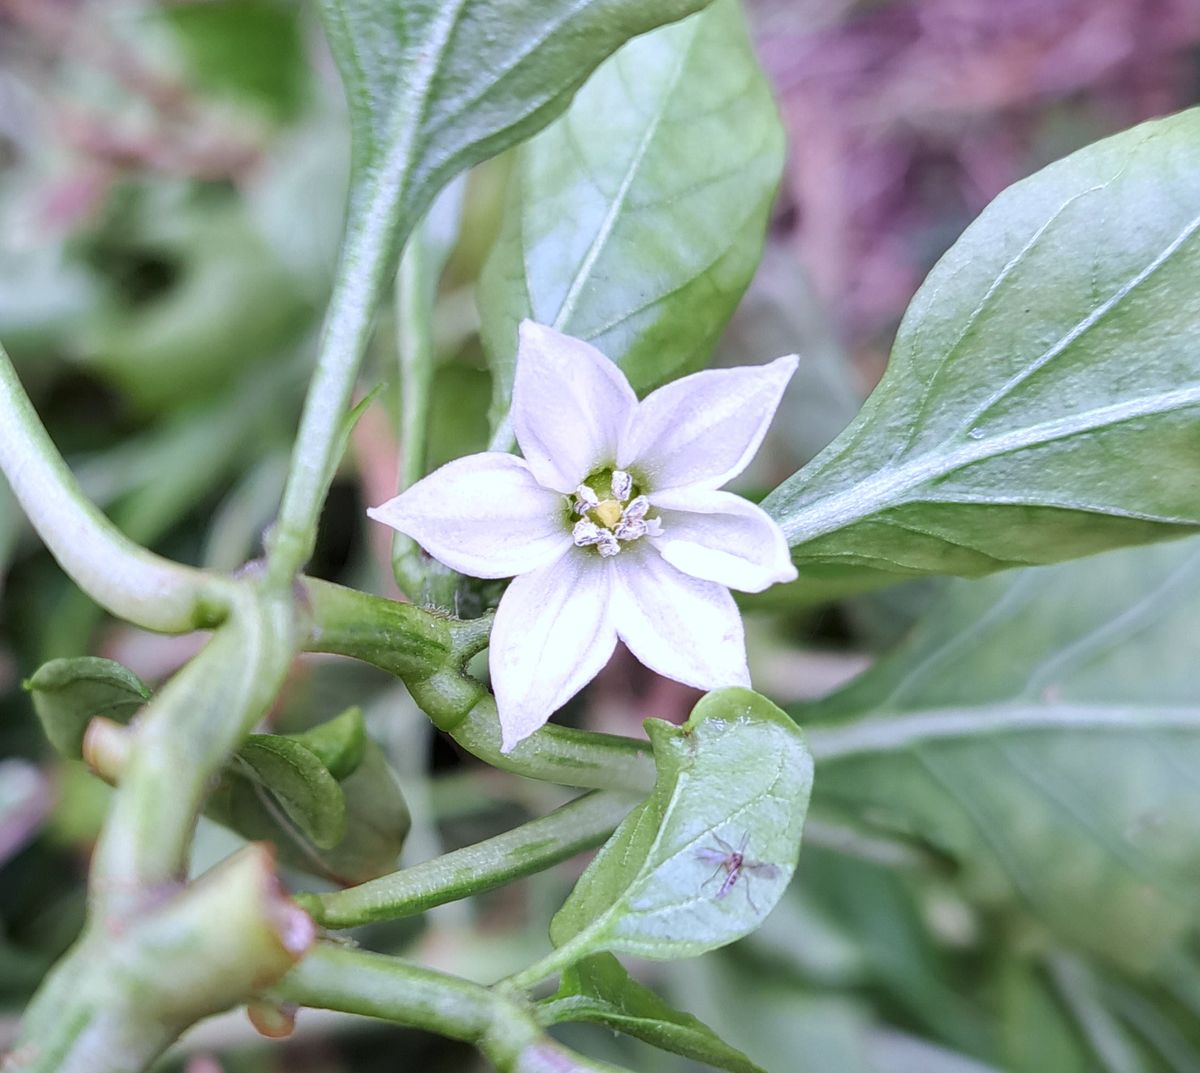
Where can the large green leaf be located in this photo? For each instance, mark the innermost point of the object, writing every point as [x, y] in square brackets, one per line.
[637, 220]
[435, 86]
[1043, 730]
[1043, 396]
[735, 778]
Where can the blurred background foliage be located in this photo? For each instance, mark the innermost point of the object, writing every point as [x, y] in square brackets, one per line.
[171, 185]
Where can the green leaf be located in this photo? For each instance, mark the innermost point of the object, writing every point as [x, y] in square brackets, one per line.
[637, 219]
[435, 87]
[599, 990]
[1042, 730]
[338, 743]
[1043, 393]
[376, 822]
[68, 693]
[249, 49]
[305, 789]
[734, 778]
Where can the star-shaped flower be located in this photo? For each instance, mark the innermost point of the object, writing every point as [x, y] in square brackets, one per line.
[612, 524]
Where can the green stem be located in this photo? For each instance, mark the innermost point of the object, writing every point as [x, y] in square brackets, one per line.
[183, 739]
[374, 985]
[500, 1024]
[129, 581]
[424, 649]
[533, 847]
[373, 234]
[119, 999]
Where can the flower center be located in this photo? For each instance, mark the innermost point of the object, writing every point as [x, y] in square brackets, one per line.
[619, 518]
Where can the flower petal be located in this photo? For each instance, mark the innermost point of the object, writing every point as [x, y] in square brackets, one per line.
[570, 406]
[679, 626]
[717, 536]
[703, 429]
[482, 515]
[553, 634]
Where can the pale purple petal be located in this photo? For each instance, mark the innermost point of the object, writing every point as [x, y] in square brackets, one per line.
[482, 515]
[703, 430]
[552, 635]
[570, 406]
[717, 536]
[679, 626]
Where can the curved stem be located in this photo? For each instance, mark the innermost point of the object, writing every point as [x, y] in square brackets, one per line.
[424, 649]
[532, 847]
[182, 739]
[122, 577]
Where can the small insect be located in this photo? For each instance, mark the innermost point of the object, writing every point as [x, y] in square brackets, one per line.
[734, 863]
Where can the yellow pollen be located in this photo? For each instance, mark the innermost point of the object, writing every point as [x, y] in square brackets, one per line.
[607, 513]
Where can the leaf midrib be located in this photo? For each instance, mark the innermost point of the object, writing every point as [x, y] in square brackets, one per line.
[890, 487]
[886, 732]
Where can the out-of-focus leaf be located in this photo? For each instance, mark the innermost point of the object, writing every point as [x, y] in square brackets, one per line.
[637, 219]
[68, 693]
[1042, 729]
[305, 789]
[249, 49]
[1035, 1032]
[194, 293]
[1043, 396]
[733, 780]
[339, 742]
[599, 990]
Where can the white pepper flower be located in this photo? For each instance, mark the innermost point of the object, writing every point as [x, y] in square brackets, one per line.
[612, 525]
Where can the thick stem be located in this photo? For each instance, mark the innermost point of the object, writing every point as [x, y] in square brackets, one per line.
[125, 579]
[184, 737]
[117, 1001]
[533, 847]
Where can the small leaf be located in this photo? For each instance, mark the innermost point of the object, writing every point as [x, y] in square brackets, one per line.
[376, 822]
[734, 779]
[1043, 397]
[338, 743]
[637, 219]
[68, 693]
[305, 789]
[599, 990]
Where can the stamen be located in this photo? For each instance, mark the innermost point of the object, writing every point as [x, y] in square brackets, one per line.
[587, 533]
[609, 544]
[637, 509]
[630, 529]
[622, 485]
[585, 499]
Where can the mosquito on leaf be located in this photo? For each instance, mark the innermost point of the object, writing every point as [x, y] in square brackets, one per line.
[734, 863]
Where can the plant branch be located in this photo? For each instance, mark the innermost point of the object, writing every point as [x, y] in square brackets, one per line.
[532, 847]
[181, 741]
[425, 650]
[500, 1024]
[109, 1006]
[128, 581]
